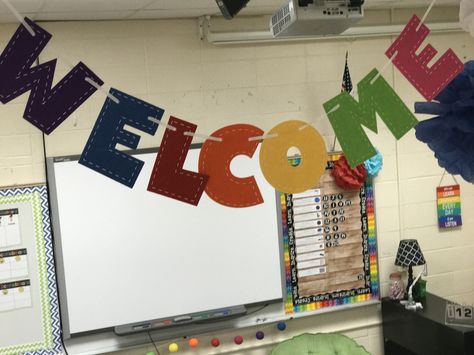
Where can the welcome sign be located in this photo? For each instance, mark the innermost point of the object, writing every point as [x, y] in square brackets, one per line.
[47, 107]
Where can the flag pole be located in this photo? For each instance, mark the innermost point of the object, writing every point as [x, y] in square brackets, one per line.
[346, 86]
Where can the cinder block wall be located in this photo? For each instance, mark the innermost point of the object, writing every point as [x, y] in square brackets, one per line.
[165, 63]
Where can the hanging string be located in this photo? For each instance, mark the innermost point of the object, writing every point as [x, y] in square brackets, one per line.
[334, 144]
[187, 133]
[324, 115]
[261, 138]
[101, 89]
[203, 136]
[153, 342]
[425, 15]
[160, 123]
[19, 17]
[442, 177]
[385, 66]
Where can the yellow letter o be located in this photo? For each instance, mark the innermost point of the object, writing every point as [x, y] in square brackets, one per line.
[274, 160]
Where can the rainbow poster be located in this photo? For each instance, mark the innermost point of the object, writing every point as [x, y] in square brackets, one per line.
[330, 245]
[449, 206]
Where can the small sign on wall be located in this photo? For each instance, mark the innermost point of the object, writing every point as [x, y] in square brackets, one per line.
[449, 206]
[460, 315]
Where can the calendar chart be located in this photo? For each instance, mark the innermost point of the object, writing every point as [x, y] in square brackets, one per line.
[330, 245]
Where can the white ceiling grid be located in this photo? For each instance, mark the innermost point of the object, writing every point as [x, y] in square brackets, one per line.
[57, 10]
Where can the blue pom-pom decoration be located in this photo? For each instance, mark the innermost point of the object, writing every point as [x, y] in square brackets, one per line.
[374, 164]
[450, 135]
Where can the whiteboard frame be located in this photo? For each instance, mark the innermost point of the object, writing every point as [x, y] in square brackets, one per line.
[108, 341]
[173, 331]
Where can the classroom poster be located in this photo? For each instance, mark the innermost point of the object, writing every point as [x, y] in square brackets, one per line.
[9, 228]
[29, 312]
[330, 245]
[449, 206]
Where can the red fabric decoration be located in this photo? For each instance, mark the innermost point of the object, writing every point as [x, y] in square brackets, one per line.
[346, 177]
[215, 158]
[430, 79]
[168, 177]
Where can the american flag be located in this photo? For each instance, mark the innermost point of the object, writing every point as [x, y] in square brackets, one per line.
[346, 78]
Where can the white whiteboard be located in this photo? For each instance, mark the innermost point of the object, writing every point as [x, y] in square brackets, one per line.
[130, 255]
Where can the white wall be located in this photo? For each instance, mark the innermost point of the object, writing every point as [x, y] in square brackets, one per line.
[165, 63]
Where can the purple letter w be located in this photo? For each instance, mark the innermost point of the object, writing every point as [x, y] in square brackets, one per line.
[47, 107]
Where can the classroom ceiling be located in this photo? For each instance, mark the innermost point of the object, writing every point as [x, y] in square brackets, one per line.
[57, 10]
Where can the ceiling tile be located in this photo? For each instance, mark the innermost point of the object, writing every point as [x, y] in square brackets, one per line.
[182, 4]
[92, 5]
[22, 6]
[174, 13]
[57, 10]
[84, 15]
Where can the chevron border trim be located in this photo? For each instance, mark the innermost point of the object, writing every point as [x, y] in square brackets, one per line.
[37, 196]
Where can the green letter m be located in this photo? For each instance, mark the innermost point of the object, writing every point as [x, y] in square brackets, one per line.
[375, 96]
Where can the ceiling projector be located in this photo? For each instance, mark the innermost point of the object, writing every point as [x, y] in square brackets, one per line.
[315, 17]
[230, 8]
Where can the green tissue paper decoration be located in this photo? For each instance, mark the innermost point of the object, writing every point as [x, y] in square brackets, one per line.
[319, 344]
[348, 119]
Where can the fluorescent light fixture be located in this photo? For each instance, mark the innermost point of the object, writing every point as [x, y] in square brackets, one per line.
[354, 32]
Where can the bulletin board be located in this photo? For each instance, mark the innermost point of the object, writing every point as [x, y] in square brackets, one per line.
[29, 312]
[330, 245]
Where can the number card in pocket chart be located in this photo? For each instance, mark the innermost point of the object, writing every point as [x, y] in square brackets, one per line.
[29, 313]
[449, 206]
[330, 245]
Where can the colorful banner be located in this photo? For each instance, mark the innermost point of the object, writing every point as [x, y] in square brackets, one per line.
[48, 107]
[449, 206]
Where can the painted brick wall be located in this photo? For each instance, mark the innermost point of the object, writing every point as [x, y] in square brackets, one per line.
[165, 63]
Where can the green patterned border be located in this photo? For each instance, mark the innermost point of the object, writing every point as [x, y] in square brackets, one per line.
[35, 200]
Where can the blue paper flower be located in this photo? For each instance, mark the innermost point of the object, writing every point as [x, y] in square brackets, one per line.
[450, 135]
[374, 164]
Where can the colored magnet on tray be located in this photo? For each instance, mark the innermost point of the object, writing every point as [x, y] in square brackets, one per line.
[215, 342]
[193, 342]
[238, 340]
[150, 353]
[281, 326]
[260, 335]
[173, 348]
